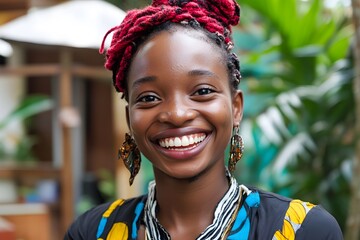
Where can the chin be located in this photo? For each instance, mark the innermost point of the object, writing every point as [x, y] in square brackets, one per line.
[188, 175]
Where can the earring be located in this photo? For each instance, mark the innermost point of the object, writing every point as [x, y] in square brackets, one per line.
[236, 149]
[130, 155]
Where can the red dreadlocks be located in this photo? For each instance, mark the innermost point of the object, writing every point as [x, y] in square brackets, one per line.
[216, 16]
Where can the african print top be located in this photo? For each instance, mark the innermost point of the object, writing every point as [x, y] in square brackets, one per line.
[262, 216]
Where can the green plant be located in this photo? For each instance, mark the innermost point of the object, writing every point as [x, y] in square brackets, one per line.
[15, 146]
[299, 79]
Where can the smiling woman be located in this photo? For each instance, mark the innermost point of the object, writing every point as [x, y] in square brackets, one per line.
[174, 64]
[190, 98]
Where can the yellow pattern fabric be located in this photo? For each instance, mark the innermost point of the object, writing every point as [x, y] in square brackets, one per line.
[294, 216]
[112, 207]
[119, 231]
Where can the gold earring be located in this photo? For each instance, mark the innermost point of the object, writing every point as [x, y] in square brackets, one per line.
[236, 149]
[130, 155]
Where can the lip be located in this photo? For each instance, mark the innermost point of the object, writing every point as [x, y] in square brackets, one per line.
[183, 153]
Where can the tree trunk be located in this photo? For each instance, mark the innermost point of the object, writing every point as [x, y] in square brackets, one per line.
[352, 231]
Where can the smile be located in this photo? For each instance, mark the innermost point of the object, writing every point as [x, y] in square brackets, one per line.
[182, 141]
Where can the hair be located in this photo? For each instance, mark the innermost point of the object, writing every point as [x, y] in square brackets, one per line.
[213, 17]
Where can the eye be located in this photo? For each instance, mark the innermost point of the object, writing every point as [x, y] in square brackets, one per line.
[204, 91]
[147, 98]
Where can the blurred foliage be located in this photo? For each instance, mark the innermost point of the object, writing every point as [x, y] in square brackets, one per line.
[19, 147]
[106, 184]
[299, 105]
[97, 187]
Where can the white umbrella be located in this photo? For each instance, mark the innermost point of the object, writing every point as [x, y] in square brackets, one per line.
[80, 24]
[5, 49]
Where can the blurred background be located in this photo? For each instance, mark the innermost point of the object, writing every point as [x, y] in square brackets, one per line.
[61, 121]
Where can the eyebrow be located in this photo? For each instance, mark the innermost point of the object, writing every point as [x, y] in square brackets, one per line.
[143, 80]
[201, 72]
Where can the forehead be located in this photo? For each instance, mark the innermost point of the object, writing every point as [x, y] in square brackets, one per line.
[176, 48]
[179, 32]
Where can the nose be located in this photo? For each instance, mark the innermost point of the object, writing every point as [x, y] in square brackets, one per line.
[176, 112]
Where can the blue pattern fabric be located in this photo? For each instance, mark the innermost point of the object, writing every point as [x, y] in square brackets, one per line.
[138, 212]
[101, 227]
[241, 227]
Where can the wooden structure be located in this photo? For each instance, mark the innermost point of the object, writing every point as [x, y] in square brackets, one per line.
[66, 71]
[67, 67]
[33, 219]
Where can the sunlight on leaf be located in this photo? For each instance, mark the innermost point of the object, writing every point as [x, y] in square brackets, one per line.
[299, 145]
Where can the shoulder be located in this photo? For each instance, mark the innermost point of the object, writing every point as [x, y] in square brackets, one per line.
[319, 224]
[88, 225]
[271, 204]
[85, 225]
[304, 220]
[268, 217]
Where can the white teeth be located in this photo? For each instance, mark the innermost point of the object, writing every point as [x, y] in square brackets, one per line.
[177, 142]
[191, 140]
[183, 141]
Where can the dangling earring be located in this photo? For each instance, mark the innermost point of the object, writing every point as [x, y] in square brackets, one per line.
[131, 157]
[236, 149]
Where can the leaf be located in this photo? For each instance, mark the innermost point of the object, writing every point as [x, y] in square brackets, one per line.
[30, 106]
[300, 145]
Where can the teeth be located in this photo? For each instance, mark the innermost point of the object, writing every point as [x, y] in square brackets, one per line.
[177, 142]
[191, 140]
[183, 141]
[171, 143]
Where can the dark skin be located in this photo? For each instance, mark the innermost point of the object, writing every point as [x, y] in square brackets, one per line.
[178, 87]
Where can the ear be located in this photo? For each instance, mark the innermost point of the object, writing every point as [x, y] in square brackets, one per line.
[238, 107]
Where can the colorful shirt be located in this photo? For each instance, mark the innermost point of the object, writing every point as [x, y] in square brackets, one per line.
[262, 216]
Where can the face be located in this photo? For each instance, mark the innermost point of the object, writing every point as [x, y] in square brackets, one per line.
[181, 109]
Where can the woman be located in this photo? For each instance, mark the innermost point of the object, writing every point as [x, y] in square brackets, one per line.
[174, 65]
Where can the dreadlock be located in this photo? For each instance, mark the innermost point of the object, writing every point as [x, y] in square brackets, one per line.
[213, 17]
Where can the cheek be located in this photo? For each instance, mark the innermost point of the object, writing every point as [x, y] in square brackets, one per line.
[221, 117]
[221, 112]
[136, 121]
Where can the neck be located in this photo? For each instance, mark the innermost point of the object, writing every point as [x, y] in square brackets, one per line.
[189, 203]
